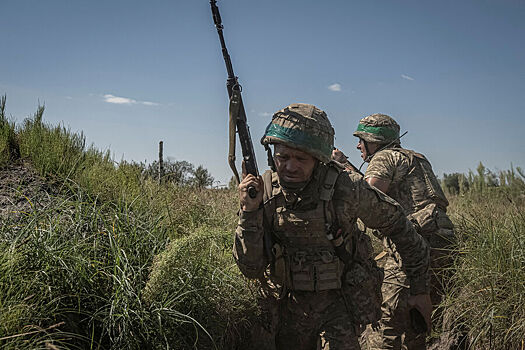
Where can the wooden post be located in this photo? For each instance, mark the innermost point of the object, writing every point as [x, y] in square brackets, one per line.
[161, 163]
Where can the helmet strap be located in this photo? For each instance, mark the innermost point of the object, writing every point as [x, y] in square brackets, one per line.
[368, 154]
[271, 163]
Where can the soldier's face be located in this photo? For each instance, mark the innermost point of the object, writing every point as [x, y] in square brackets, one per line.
[372, 147]
[292, 164]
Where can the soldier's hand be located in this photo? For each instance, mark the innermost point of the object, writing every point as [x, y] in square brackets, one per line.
[338, 156]
[423, 304]
[248, 203]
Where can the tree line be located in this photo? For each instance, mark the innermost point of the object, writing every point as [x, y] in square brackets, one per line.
[179, 172]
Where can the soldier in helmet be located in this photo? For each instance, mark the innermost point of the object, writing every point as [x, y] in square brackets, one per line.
[407, 177]
[298, 236]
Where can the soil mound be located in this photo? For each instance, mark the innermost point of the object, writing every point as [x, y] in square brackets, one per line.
[22, 190]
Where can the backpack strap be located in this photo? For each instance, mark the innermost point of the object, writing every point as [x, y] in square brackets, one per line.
[328, 186]
[326, 193]
[270, 182]
[269, 206]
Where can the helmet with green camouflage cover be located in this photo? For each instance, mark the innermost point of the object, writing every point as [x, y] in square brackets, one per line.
[378, 128]
[304, 127]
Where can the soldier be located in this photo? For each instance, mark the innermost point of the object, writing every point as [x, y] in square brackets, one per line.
[299, 238]
[407, 177]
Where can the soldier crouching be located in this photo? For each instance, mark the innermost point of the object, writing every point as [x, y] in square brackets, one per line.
[299, 237]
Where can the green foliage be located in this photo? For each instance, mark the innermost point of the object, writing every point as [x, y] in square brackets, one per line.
[233, 184]
[73, 268]
[111, 259]
[85, 262]
[197, 276]
[201, 177]
[9, 149]
[455, 183]
[488, 287]
[482, 180]
[177, 172]
[80, 262]
[180, 173]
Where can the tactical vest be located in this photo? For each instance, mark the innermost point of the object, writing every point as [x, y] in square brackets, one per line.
[304, 259]
[420, 194]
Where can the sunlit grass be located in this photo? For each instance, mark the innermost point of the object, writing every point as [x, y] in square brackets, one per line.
[111, 259]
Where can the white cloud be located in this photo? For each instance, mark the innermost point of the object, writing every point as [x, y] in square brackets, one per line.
[407, 77]
[126, 101]
[119, 100]
[147, 103]
[335, 87]
[265, 114]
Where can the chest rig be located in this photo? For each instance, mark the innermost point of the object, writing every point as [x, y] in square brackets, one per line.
[303, 257]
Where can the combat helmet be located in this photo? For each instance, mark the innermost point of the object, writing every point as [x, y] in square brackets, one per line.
[378, 128]
[304, 127]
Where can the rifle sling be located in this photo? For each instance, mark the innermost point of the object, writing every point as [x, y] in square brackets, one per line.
[235, 108]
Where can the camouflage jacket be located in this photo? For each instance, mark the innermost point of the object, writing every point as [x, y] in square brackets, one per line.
[414, 185]
[353, 198]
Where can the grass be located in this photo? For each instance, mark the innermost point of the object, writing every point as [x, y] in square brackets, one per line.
[8, 143]
[487, 292]
[74, 267]
[104, 257]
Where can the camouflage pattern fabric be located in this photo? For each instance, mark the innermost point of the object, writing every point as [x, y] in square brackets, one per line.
[324, 311]
[302, 126]
[395, 330]
[441, 259]
[415, 187]
[412, 181]
[322, 317]
[378, 128]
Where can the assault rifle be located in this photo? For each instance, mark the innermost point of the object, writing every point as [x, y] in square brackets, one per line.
[237, 113]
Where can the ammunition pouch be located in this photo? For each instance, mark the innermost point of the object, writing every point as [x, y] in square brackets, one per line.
[430, 219]
[309, 271]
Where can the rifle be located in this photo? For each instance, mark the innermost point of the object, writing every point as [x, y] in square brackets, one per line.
[237, 113]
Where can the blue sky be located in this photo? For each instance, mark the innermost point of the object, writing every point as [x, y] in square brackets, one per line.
[131, 73]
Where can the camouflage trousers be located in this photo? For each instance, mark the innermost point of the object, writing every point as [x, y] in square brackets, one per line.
[441, 260]
[395, 330]
[307, 321]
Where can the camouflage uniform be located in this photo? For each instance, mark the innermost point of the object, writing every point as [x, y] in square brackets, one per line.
[317, 297]
[415, 187]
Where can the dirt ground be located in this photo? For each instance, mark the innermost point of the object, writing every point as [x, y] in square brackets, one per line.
[22, 190]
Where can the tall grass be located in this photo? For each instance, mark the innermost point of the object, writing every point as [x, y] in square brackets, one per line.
[487, 295]
[79, 262]
[8, 141]
[196, 276]
[111, 259]
[73, 269]
[57, 152]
